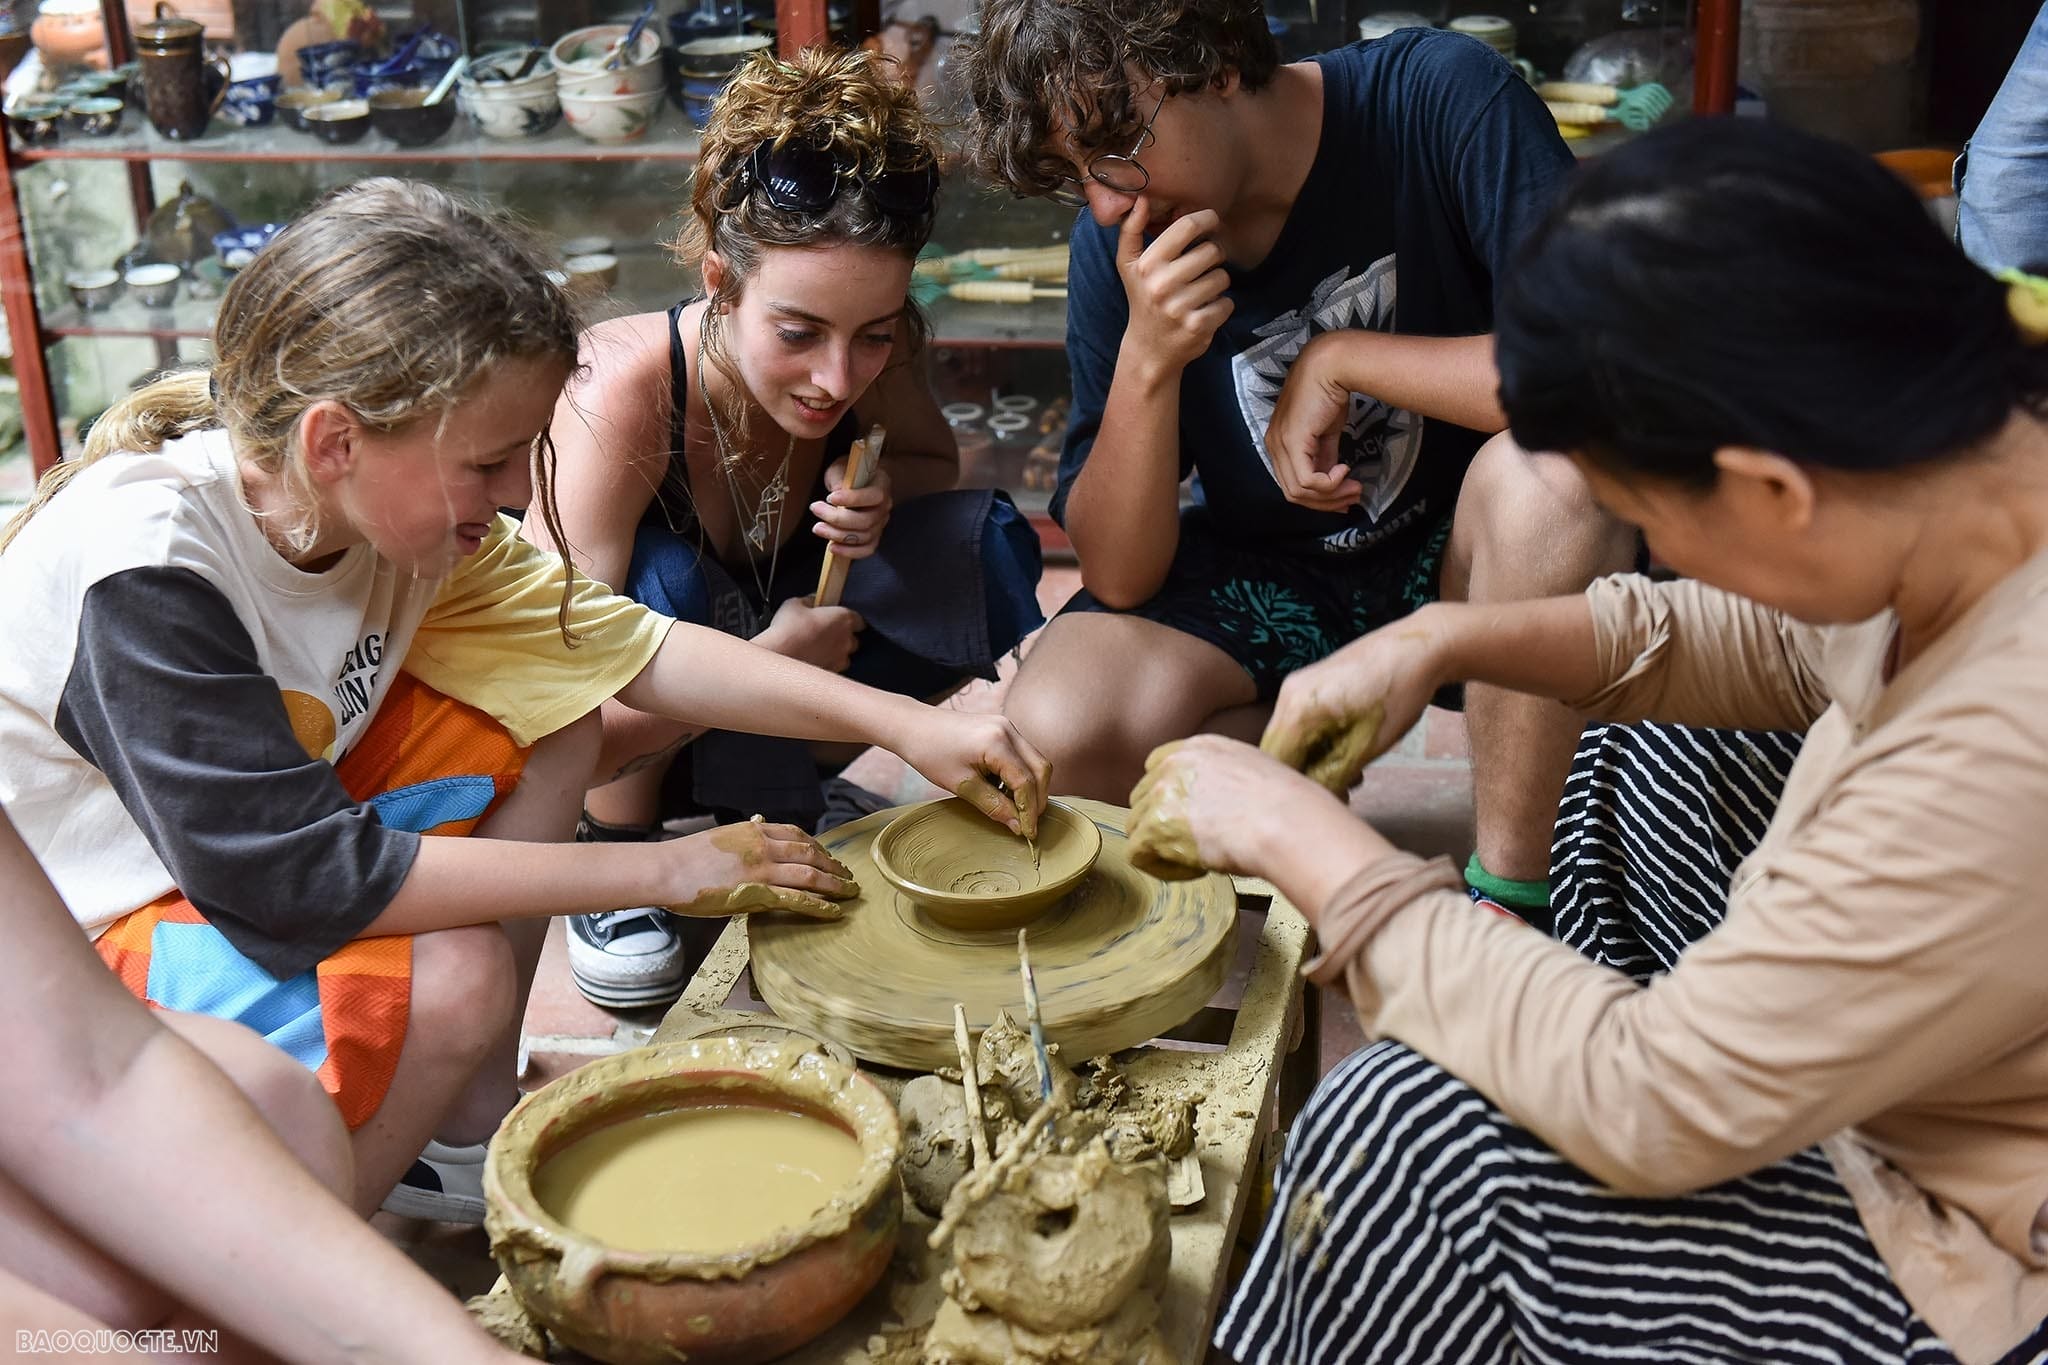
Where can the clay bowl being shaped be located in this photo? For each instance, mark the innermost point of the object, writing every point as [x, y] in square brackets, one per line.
[97, 116]
[742, 1303]
[719, 57]
[294, 105]
[341, 122]
[579, 59]
[407, 119]
[94, 290]
[611, 119]
[968, 872]
[154, 285]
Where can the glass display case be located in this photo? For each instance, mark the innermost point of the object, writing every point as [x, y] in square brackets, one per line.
[147, 142]
[102, 211]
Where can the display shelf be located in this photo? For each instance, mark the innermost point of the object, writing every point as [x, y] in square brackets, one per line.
[648, 281]
[671, 139]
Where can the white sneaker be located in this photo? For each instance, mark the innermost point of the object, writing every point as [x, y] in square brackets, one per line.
[627, 959]
[446, 1185]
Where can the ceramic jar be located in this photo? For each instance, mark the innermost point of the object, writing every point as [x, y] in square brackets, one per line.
[182, 88]
[68, 32]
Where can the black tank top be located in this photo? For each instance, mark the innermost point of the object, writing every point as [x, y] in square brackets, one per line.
[672, 506]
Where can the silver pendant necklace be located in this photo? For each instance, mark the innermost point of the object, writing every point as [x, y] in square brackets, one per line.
[763, 528]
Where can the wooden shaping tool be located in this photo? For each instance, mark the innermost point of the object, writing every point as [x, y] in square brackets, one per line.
[860, 470]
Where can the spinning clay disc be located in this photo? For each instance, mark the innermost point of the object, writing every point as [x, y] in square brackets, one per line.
[1118, 961]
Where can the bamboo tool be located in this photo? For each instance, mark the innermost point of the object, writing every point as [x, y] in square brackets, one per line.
[1032, 1015]
[977, 1125]
[860, 469]
[1045, 272]
[977, 263]
[1002, 291]
[1637, 108]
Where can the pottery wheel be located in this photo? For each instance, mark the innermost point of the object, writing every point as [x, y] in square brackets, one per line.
[1120, 960]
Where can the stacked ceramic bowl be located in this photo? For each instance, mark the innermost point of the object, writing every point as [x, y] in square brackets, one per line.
[502, 103]
[603, 102]
[1493, 30]
[704, 65]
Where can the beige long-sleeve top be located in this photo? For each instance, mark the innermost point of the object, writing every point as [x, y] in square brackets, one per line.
[1880, 983]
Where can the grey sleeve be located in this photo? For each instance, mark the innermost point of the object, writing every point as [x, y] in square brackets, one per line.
[166, 698]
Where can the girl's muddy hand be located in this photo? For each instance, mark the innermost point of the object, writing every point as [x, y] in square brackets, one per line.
[984, 761]
[756, 866]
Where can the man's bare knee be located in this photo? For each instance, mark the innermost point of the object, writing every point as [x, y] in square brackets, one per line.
[1528, 526]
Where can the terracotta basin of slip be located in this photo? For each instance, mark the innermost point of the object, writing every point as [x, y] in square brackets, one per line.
[774, 1217]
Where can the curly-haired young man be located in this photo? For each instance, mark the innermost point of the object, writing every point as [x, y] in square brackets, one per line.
[1233, 313]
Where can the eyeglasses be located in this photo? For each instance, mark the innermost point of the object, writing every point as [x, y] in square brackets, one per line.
[802, 177]
[1118, 171]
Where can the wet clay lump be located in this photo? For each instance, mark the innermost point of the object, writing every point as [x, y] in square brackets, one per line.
[703, 1179]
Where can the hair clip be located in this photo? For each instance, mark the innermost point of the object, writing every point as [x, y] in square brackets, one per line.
[2026, 298]
[212, 390]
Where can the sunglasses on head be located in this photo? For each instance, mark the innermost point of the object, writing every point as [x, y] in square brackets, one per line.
[801, 177]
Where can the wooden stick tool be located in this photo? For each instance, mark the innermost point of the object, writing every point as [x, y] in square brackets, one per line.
[860, 471]
[977, 1122]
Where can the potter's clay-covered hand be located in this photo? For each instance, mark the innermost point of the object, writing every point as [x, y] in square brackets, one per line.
[756, 866]
[1207, 803]
[983, 761]
[1334, 717]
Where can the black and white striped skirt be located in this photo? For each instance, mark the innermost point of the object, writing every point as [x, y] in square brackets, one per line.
[1414, 1222]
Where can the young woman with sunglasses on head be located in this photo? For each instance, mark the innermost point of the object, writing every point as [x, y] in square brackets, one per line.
[704, 460]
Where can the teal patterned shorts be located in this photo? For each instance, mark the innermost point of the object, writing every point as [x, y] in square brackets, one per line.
[1275, 611]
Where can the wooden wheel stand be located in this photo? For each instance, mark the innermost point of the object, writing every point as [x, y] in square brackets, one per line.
[1236, 1050]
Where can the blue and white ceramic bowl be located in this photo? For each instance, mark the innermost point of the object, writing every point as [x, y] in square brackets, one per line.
[251, 103]
[238, 246]
[324, 64]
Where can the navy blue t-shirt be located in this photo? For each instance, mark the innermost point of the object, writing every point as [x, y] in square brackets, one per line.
[1435, 159]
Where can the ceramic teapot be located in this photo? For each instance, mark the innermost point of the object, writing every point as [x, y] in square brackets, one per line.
[181, 230]
[181, 86]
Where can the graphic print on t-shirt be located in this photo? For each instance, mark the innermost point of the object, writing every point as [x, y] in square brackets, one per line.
[312, 723]
[357, 680]
[1379, 442]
